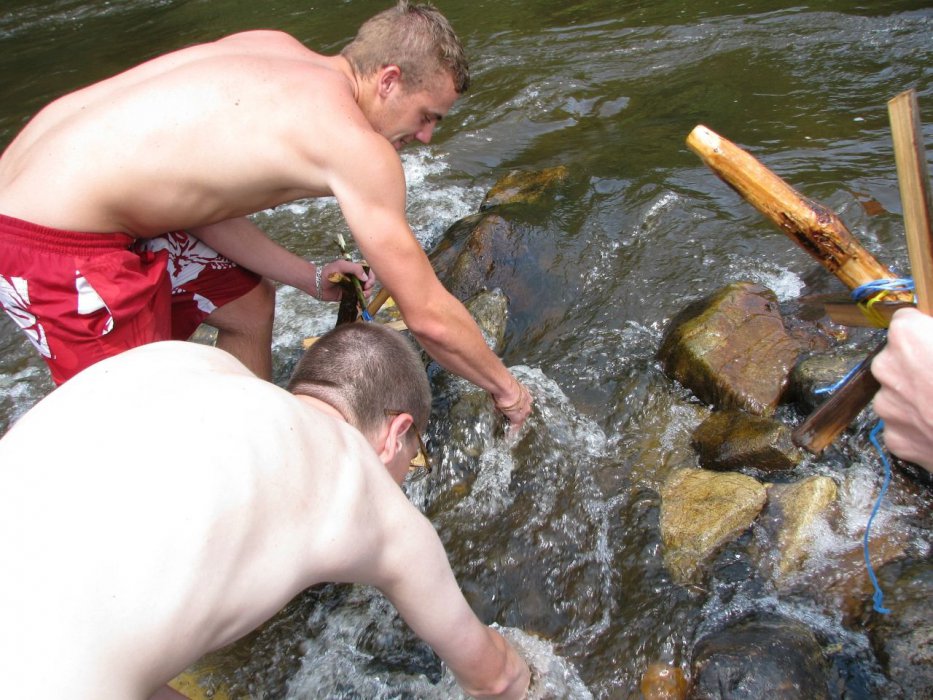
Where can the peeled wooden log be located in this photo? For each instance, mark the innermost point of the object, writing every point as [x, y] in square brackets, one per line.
[809, 224]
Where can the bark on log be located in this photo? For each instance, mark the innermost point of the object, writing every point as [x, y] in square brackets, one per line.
[811, 225]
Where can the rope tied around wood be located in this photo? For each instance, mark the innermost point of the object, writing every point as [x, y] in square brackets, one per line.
[871, 293]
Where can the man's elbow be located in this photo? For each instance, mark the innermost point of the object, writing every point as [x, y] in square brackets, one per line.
[428, 327]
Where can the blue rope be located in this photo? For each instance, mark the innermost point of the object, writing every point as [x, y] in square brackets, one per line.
[859, 294]
[833, 387]
[878, 598]
[869, 289]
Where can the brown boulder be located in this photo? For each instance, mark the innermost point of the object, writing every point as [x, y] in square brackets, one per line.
[731, 349]
[702, 510]
[732, 440]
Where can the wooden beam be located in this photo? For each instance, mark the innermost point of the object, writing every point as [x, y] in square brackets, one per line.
[849, 314]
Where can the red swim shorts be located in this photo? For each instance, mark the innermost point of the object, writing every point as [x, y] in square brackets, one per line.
[82, 297]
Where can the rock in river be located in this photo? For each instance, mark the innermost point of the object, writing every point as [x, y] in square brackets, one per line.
[731, 349]
[702, 510]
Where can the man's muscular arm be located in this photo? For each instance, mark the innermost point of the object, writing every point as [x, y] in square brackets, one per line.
[373, 203]
[413, 571]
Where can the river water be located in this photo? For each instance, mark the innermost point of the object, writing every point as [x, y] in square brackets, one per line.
[557, 538]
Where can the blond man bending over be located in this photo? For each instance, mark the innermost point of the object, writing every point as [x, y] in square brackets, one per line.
[123, 205]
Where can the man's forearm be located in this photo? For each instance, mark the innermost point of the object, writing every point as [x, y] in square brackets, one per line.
[450, 335]
[247, 245]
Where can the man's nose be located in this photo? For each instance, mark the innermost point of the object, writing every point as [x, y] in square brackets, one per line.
[424, 135]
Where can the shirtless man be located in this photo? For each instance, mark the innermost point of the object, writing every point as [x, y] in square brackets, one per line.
[905, 401]
[135, 543]
[191, 143]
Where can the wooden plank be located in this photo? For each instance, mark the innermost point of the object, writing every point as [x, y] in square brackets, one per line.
[904, 113]
[849, 313]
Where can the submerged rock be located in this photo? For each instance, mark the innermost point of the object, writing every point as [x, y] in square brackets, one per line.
[732, 440]
[731, 349]
[796, 507]
[903, 639]
[815, 373]
[663, 682]
[760, 657]
[702, 510]
[479, 252]
[524, 187]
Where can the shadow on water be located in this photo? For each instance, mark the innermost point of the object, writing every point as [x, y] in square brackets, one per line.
[556, 537]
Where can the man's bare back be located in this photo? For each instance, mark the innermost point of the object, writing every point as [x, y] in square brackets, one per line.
[197, 136]
[141, 539]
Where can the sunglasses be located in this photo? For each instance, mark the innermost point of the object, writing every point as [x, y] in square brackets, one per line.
[420, 465]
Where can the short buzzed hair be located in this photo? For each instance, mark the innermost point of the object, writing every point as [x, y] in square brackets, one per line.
[363, 370]
[415, 37]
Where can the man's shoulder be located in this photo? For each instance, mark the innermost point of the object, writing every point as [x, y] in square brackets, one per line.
[172, 354]
[263, 40]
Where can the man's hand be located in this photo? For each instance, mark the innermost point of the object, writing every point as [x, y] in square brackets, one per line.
[905, 401]
[515, 405]
[329, 291]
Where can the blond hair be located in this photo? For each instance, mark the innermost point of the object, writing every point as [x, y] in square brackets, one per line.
[415, 37]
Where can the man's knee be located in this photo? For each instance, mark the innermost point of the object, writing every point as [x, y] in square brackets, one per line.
[255, 309]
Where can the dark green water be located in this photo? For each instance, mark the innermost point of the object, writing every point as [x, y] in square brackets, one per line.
[559, 536]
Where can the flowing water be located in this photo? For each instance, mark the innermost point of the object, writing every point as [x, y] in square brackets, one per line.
[556, 538]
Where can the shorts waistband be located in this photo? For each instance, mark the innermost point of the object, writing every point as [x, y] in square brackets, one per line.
[53, 240]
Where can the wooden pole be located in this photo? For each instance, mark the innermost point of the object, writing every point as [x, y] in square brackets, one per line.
[823, 426]
[904, 113]
[834, 415]
[809, 224]
[378, 301]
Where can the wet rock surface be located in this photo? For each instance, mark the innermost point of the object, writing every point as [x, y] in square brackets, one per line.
[700, 511]
[814, 374]
[525, 187]
[764, 656]
[796, 508]
[903, 639]
[480, 252]
[731, 349]
[732, 440]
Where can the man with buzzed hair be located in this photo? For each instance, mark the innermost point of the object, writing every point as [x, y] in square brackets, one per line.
[124, 205]
[142, 537]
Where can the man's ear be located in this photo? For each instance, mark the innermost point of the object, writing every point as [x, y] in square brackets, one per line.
[393, 436]
[390, 78]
